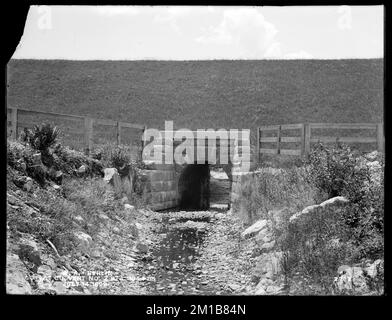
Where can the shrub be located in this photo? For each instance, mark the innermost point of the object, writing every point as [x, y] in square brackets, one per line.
[41, 137]
[337, 170]
[120, 158]
[271, 189]
[330, 169]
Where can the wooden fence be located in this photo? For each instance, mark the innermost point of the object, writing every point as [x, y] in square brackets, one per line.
[302, 135]
[70, 124]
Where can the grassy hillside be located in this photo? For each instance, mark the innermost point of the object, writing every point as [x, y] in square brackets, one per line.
[200, 94]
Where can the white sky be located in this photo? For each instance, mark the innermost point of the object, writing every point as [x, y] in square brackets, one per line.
[194, 33]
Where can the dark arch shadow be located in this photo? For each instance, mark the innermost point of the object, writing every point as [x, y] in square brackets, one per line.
[193, 187]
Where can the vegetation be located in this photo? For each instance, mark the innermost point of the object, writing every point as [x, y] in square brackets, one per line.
[41, 137]
[316, 247]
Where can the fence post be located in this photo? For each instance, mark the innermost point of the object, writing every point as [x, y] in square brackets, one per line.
[303, 139]
[278, 140]
[88, 134]
[14, 123]
[118, 133]
[258, 145]
[380, 137]
[306, 140]
[141, 152]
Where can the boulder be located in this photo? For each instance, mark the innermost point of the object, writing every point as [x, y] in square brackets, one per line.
[255, 228]
[330, 204]
[83, 240]
[350, 280]
[111, 176]
[28, 249]
[16, 275]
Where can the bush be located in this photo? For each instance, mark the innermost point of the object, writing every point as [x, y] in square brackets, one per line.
[271, 189]
[335, 171]
[41, 137]
[315, 248]
[330, 169]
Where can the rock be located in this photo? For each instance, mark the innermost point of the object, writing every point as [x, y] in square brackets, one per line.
[82, 169]
[56, 187]
[234, 287]
[56, 176]
[261, 291]
[142, 247]
[21, 165]
[45, 271]
[375, 269]
[269, 264]
[28, 249]
[16, 274]
[59, 287]
[268, 246]
[112, 177]
[275, 289]
[138, 226]
[372, 156]
[264, 235]
[134, 231]
[28, 185]
[103, 218]
[129, 207]
[37, 160]
[329, 204]
[220, 215]
[255, 228]
[50, 262]
[116, 230]
[78, 219]
[83, 240]
[350, 280]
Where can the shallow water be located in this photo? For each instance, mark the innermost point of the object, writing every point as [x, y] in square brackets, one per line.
[175, 268]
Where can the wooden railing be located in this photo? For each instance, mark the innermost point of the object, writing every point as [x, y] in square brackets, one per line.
[14, 124]
[305, 136]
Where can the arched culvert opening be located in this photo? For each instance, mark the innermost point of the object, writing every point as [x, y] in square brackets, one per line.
[193, 187]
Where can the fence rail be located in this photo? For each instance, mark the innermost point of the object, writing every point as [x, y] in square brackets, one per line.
[305, 136]
[14, 122]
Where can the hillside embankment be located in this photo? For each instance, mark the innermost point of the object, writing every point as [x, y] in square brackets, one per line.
[71, 230]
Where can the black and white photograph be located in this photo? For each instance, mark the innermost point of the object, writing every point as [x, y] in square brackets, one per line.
[196, 151]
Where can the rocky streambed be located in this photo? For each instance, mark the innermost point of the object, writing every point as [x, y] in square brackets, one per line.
[197, 252]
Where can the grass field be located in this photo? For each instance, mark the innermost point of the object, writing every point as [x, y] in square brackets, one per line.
[200, 94]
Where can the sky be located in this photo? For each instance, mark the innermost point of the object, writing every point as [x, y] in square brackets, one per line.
[202, 33]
